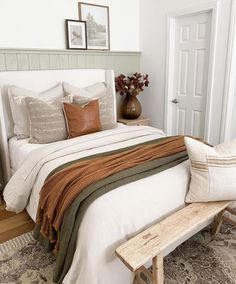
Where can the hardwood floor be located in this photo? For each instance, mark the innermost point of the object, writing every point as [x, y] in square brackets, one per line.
[13, 225]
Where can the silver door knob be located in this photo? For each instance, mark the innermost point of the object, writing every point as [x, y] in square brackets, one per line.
[175, 101]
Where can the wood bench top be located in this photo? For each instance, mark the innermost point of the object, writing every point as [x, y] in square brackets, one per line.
[153, 241]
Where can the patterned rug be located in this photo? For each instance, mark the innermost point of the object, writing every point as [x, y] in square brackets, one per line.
[200, 260]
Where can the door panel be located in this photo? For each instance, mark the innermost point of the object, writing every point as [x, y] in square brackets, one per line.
[199, 72]
[196, 123]
[192, 45]
[183, 70]
[181, 118]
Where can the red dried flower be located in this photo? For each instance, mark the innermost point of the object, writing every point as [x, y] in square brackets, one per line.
[132, 85]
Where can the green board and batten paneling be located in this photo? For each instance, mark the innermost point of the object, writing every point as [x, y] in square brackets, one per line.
[37, 59]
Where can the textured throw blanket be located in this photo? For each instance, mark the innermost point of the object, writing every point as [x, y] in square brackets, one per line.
[71, 188]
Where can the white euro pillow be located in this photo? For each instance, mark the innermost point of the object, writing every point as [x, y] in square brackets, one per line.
[213, 171]
[96, 91]
[17, 97]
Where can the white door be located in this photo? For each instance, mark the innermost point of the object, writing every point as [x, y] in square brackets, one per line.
[192, 44]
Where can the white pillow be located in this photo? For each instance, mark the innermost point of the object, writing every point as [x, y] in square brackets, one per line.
[17, 97]
[95, 91]
[213, 171]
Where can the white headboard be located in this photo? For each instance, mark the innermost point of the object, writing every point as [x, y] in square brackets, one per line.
[39, 81]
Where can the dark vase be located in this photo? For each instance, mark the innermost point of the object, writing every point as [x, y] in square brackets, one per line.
[131, 107]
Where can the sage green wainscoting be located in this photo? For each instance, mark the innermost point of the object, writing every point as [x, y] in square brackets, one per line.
[41, 59]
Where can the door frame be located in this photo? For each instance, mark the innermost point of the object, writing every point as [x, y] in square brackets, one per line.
[170, 63]
[230, 83]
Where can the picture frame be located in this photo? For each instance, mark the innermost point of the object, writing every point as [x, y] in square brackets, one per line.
[76, 34]
[98, 26]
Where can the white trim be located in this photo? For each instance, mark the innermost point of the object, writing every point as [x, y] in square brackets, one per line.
[170, 63]
[211, 72]
[171, 21]
[230, 83]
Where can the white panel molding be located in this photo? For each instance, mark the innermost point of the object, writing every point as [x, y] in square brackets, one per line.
[48, 59]
[171, 35]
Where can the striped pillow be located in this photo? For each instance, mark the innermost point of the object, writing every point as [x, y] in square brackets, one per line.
[213, 171]
[47, 121]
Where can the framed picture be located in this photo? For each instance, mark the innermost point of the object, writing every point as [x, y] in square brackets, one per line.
[76, 34]
[97, 20]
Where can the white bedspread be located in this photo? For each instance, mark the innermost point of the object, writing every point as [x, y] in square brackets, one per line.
[112, 218]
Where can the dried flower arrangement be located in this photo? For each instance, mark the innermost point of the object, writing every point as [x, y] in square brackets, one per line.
[131, 85]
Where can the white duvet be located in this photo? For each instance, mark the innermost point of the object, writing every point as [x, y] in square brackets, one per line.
[112, 218]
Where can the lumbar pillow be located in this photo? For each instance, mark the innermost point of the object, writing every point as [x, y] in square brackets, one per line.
[17, 97]
[213, 171]
[94, 92]
[82, 120]
[47, 121]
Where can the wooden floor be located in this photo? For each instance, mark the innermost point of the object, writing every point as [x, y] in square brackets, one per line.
[13, 225]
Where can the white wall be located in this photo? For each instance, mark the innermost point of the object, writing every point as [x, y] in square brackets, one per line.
[153, 46]
[230, 131]
[41, 23]
[233, 121]
[232, 93]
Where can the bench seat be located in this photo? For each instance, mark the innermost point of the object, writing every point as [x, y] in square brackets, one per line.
[152, 243]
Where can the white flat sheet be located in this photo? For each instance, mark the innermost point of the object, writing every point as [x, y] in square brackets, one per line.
[112, 218]
[19, 150]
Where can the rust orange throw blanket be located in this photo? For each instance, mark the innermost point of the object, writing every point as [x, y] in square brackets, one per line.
[61, 188]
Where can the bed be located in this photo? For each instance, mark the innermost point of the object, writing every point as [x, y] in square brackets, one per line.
[112, 218]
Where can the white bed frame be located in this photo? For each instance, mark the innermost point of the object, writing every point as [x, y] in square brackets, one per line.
[39, 81]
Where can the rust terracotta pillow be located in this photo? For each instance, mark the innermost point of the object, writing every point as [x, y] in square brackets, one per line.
[82, 120]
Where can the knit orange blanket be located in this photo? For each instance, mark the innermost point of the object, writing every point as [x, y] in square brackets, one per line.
[61, 188]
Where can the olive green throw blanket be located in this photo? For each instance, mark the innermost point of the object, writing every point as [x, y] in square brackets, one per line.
[73, 215]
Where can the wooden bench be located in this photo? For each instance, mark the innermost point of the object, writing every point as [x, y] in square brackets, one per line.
[152, 243]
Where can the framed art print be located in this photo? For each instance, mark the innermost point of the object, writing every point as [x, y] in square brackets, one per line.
[97, 21]
[76, 34]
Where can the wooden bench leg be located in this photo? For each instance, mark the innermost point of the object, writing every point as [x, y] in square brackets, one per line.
[143, 275]
[229, 220]
[158, 270]
[218, 222]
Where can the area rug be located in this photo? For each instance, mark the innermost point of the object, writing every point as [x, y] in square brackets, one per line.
[24, 261]
[200, 260]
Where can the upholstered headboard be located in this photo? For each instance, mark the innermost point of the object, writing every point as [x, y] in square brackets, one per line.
[39, 81]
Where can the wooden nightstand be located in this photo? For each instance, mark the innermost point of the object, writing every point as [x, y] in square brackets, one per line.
[138, 121]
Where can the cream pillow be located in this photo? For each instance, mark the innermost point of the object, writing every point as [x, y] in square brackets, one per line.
[47, 120]
[213, 171]
[78, 100]
[93, 92]
[17, 97]
[97, 90]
